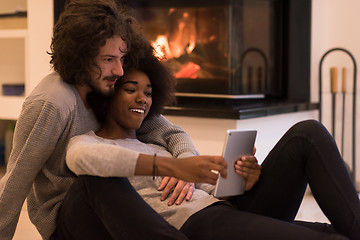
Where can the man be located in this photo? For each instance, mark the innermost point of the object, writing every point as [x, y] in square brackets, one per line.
[92, 43]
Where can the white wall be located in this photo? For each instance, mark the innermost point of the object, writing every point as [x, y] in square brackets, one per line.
[208, 134]
[40, 25]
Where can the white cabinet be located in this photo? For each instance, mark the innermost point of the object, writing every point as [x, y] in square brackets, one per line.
[23, 51]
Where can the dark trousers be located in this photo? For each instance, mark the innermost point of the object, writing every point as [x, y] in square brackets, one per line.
[305, 154]
[109, 208]
[98, 208]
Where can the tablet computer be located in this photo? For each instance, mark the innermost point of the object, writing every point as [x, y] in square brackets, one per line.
[238, 143]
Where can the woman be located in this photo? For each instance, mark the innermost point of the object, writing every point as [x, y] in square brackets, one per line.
[305, 154]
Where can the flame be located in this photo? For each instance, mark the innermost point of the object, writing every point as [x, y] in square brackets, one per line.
[191, 46]
[189, 70]
[162, 51]
[161, 46]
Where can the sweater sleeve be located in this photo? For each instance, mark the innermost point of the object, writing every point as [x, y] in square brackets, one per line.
[36, 133]
[87, 156]
[158, 130]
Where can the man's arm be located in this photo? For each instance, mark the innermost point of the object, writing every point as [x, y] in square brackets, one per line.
[32, 146]
[158, 130]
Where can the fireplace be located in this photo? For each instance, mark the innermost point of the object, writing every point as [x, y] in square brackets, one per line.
[231, 49]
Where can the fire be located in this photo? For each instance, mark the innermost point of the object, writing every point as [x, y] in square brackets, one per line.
[161, 46]
[163, 51]
[189, 70]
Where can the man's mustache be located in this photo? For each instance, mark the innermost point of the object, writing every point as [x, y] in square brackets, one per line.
[112, 78]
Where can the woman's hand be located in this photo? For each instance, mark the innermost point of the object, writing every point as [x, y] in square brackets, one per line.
[180, 190]
[248, 167]
[204, 169]
[200, 169]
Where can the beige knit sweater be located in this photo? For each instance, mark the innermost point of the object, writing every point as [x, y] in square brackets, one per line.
[51, 115]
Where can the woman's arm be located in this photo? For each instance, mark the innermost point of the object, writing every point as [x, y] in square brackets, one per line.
[190, 169]
[86, 155]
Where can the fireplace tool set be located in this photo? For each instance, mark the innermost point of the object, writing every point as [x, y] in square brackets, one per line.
[334, 90]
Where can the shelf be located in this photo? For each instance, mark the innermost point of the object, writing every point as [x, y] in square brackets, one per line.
[238, 109]
[11, 107]
[12, 62]
[13, 33]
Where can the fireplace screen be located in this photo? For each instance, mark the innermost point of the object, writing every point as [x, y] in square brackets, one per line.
[218, 48]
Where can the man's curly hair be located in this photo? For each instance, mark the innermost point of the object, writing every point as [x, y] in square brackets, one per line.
[83, 28]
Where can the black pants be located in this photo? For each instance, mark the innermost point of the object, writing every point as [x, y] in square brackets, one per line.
[109, 208]
[305, 154]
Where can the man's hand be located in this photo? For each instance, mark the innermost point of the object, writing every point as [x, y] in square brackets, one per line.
[180, 190]
[248, 167]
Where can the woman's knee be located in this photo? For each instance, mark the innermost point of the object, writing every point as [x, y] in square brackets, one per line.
[310, 128]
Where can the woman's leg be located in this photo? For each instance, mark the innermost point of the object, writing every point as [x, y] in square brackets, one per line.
[306, 153]
[109, 208]
[221, 221]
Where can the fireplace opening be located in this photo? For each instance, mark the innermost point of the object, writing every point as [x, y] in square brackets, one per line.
[231, 49]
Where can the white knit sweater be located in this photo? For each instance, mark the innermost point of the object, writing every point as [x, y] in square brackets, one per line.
[82, 159]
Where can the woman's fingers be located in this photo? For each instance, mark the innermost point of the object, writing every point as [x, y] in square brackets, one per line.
[248, 167]
[204, 169]
[247, 171]
[220, 167]
[217, 165]
[248, 162]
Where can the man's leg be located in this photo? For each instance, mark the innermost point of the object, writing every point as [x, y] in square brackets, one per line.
[109, 208]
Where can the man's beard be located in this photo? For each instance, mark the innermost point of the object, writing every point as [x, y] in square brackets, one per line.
[95, 87]
[106, 93]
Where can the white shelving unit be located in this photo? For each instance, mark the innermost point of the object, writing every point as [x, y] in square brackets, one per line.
[10, 107]
[23, 52]
[13, 69]
[13, 33]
